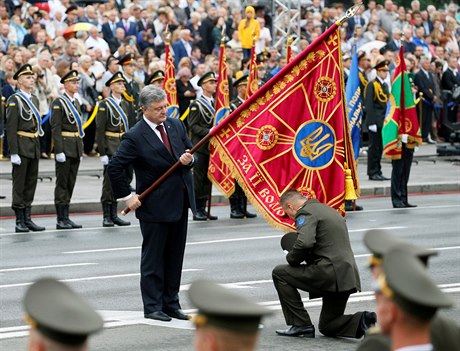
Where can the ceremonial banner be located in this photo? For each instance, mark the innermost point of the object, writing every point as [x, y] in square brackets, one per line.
[293, 133]
[218, 172]
[401, 116]
[289, 50]
[354, 105]
[253, 79]
[170, 84]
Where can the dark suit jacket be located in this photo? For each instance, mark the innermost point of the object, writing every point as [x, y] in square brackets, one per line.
[323, 243]
[207, 42]
[144, 150]
[409, 46]
[425, 85]
[351, 25]
[132, 30]
[393, 46]
[179, 52]
[107, 33]
[449, 80]
[141, 27]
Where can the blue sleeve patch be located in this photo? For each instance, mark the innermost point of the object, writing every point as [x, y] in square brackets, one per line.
[300, 221]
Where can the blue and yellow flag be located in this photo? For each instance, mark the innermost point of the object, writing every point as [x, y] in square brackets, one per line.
[354, 105]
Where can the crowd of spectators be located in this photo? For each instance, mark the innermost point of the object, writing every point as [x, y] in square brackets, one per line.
[44, 36]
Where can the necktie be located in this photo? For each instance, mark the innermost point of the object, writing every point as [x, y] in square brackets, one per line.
[164, 137]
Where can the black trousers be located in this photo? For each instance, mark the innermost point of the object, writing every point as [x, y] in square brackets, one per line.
[24, 182]
[400, 176]
[201, 182]
[66, 176]
[374, 153]
[427, 120]
[162, 256]
[332, 320]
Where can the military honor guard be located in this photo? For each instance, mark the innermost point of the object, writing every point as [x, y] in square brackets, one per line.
[131, 93]
[200, 121]
[375, 104]
[59, 319]
[111, 124]
[23, 129]
[238, 200]
[67, 135]
[444, 332]
[225, 320]
[157, 78]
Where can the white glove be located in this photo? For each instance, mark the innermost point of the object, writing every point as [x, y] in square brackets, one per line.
[16, 159]
[404, 138]
[104, 160]
[373, 128]
[60, 157]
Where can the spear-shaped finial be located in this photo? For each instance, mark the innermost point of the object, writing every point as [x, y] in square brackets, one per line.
[350, 13]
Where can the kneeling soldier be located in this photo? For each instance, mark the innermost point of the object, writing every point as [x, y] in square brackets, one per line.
[67, 133]
[111, 124]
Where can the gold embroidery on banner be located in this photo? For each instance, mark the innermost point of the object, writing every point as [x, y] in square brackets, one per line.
[267, 137]
[325, 89]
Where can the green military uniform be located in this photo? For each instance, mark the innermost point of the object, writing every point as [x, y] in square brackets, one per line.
[23, 129]
[67, 138]
[59, 314]
[330, 272]
[375, 103]
[200, 121]
[445, 333]
[131, 94]
[111, 124]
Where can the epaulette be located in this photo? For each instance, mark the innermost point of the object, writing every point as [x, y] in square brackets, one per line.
[101, 108]
[11, 104]
[56, 106]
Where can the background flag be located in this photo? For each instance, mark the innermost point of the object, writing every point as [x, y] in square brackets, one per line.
[401, 116]
[170, 83]
[293, 133]
[253, 79]
[354, 105]
[218, 172]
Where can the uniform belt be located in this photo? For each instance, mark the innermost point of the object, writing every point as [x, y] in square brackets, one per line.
[70, 134]
[114, 135]
[27, 134]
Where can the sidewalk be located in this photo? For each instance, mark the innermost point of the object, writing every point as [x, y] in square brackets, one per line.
[429, 173]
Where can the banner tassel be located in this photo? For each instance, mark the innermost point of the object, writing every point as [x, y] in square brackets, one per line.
[350, 193]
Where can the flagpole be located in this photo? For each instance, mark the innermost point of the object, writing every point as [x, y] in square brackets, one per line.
[348, 14]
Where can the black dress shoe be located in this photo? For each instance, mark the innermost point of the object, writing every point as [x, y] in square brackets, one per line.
[212, 218]
[409, 205]
[250, 215]
[401, 205]
[178, 314]
[199, 216]
[158, 315]
[306, 331]
[383, 177]
[236, 214]
[376, 177]
[368, 319]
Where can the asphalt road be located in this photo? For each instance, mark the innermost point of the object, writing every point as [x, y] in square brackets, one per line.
[103, 264]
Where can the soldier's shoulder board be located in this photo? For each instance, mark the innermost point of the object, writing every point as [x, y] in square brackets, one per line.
[101, 108]
[56, 106]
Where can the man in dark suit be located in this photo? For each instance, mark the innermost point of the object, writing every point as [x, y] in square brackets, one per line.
[375, 104]
[129, 27]
[23, 129]
[146, 25]
[395, 42]
[111, 123]
[449, 81]
[329, 271]
[352, 22]
[67, 134]
[182, 47]
[152, 146]
[409, 46]
[207, 42]
[425, 83]
[109, 27]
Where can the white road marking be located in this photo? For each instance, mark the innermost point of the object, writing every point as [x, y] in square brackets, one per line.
[115, 319]
[45, 267]
[218, 241]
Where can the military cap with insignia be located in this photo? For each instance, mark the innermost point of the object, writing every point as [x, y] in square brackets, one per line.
[117, 77]
[69, 76]
[407, 282]
[263, 56]
[382, 66]
[240, 79]
[209, 76]
[127, 59]
[224, 309]
[23, 70]
[157, 75]
[379, 242]
[71, 9]
[361, 55]
[59, 313]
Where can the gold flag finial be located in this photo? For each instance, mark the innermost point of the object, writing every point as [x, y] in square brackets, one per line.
[349, 14]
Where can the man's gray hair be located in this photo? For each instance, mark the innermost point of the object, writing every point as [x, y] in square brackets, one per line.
[151, 94]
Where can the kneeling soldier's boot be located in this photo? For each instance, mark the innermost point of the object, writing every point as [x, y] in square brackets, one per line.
[61, 218]
[235, 208]
[107, 221]
[117, 220]
[69, 221]
[29, 223]
[20, 221]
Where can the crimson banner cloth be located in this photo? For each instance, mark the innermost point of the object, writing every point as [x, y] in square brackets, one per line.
[401, 116]
[293, 133]
[169, 84]
[218, 172]
[253, 79]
